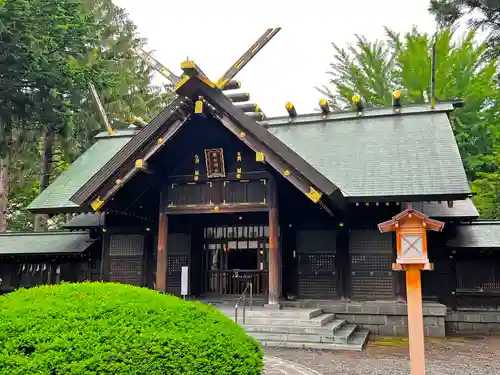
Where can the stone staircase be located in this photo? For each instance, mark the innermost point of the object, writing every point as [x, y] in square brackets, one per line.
[299, 328]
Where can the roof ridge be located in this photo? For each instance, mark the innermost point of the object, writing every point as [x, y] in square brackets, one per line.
[347, 115]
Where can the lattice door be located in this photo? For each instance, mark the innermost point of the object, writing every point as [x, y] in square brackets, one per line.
[126, 257]
[316, 263]
[178, 256]
[371, 265]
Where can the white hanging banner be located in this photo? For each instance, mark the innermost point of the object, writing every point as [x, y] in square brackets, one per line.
[184, 281]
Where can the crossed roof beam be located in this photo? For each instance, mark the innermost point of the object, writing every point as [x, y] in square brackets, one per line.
[226, 82]
[197, 94]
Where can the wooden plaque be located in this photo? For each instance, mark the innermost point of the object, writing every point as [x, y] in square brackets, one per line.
[214, 160]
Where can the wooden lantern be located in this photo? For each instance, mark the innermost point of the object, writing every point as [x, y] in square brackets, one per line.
[411, 241]
[411, 237]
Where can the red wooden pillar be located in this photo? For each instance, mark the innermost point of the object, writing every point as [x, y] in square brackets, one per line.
[411, 244]
[274, 256]
[161, 256]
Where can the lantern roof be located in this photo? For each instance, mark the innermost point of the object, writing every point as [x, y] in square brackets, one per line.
[393, 224]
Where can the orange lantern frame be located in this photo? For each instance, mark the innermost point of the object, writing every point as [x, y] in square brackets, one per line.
[411, 228]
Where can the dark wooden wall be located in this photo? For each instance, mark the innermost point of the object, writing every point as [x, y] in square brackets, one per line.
[28, 270]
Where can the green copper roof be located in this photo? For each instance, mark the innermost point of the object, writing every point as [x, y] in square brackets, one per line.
[85, 221]
[478, 234]
[56, 197]
[462, 209]
[44, 243]
[380, 154]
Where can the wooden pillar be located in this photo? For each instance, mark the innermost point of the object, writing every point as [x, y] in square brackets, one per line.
[161, 255]
[274, 257]
[104, 271]
[343, 264]
[415, 320]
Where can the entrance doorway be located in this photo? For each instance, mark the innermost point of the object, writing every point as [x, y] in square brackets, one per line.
[234, 256]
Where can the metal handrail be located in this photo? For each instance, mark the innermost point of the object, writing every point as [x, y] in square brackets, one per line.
[243, 297]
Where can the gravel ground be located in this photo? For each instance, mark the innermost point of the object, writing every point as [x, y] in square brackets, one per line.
[454, 356]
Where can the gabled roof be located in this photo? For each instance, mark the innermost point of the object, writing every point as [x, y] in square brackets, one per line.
[56, 198]
[381, 155]
[151, 138]
[36, 243]
[478, 234]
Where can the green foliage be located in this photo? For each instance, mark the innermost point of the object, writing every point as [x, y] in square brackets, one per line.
[98, 328]
[51, 49]
[483, 15]
[374, 69]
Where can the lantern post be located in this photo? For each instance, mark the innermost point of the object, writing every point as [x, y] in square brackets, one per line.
[411, 228]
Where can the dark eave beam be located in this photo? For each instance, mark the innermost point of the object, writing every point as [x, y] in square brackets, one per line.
[410, 198]
[216, 209]
[179, 109]
[140, 164]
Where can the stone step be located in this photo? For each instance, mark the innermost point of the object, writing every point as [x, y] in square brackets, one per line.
[318, 321]
[269, 313]
[291, 337]
[328, 329]
[356, 342]
[343, 335]
[309, 345]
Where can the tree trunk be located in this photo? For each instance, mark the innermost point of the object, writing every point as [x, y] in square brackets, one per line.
[4, 192]
[41, 220]
[5, 132]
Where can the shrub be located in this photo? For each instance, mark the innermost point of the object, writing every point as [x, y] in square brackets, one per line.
[104, 328]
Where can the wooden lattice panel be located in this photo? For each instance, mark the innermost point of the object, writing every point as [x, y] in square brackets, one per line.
[186, 194]
[179, 244]
[312, 241]
[478, 275]
[371, 263]
[370, 241]
[129, 279]
[317, 276]
[371, 256]
[176, 262]
[126, 252]
[313, 263]
[320, 286]
[365, 286]
[126, 245]
[125, 265]
[178, 256]
[253, 191]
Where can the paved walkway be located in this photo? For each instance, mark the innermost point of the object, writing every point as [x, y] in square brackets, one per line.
[278, 366]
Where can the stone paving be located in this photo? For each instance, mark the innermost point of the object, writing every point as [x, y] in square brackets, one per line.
[278, 366]
[389, 356]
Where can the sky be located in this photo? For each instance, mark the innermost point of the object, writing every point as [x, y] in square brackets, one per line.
[215, 33]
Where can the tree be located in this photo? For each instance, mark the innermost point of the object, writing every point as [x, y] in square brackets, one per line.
[484, 14]
[49, 55]
[374, 69]
[64, 120]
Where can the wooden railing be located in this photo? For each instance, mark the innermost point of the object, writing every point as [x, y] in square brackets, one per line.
[235, 281]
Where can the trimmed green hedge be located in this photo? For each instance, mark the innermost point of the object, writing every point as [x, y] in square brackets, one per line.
[103, 328]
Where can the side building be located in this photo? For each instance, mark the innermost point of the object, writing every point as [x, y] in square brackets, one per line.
[291, 204]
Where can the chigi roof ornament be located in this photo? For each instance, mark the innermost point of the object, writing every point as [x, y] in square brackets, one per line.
[356, 100]
[396, 101]
[225, 83]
